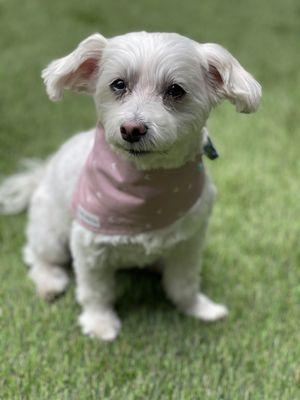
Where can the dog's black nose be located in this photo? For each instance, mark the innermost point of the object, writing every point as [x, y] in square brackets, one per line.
[132, 131]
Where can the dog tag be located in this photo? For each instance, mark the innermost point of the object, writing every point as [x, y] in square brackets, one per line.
[209, 149]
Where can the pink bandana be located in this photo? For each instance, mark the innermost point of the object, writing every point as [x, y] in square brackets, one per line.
[114, 197]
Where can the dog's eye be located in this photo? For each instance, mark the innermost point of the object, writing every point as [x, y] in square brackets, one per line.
[175, 91]
[118, 85]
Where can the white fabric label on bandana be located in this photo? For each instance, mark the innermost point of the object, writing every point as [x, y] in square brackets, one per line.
[90, 219]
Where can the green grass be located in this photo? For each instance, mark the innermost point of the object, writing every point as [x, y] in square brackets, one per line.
[252, 255]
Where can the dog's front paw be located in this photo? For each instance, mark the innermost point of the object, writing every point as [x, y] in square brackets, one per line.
[206, 310]
[104, 324]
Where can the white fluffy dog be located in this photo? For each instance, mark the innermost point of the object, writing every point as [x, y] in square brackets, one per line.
[153, 94]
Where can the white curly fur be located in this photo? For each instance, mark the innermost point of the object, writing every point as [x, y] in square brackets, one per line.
[148, 63]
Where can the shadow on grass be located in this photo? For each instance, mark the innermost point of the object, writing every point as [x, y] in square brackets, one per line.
[140, 289]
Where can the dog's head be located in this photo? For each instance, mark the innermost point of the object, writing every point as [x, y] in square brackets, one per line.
[153, 91]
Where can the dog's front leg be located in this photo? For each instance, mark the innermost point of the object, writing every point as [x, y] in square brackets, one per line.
[181, 282]
[95, 285]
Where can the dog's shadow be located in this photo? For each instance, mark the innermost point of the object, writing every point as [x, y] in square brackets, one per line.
[140, 289]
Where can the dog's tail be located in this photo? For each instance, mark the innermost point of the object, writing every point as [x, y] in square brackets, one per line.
[16, 190]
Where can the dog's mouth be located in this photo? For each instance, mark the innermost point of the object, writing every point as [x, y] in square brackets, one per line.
[138, 153]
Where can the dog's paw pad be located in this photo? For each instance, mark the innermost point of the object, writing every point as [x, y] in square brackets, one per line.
[104, 325]
[206, 310]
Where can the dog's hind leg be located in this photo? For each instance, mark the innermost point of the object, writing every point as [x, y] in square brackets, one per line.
[181, 282]
[49, 277]
[46, 251]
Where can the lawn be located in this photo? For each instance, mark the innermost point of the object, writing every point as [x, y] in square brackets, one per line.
[252, 255]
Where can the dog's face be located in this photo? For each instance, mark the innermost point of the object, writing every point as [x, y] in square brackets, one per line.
[153, 91]
[151, 94]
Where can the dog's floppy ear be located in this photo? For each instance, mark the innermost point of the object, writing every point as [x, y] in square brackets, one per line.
[76, 71]
[228, 79]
